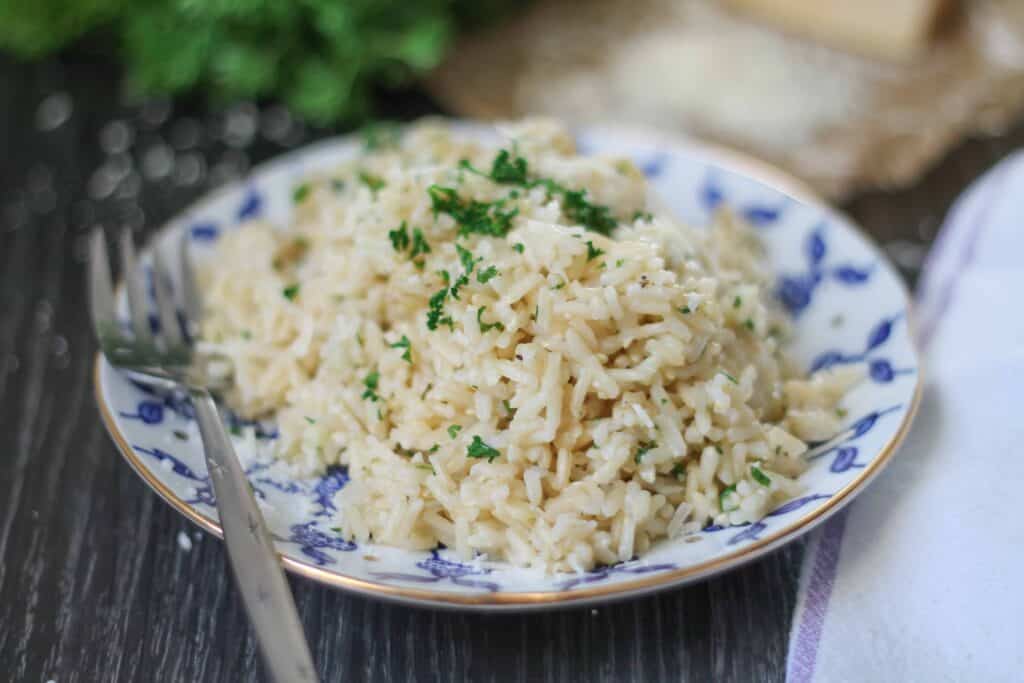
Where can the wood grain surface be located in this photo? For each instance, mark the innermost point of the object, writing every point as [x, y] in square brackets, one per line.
[94, 585]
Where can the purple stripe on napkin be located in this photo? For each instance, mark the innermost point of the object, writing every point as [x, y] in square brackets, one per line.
[819, 590]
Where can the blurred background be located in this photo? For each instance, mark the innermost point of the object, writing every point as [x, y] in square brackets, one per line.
[121, 112]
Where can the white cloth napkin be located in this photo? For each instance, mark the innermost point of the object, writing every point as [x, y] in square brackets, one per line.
[922, 578]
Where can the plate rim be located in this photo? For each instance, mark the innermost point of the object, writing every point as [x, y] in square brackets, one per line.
[728, 159]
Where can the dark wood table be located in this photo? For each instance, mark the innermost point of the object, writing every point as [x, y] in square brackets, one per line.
[93, 583]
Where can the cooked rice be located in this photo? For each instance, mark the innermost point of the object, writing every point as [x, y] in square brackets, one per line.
[633, 387]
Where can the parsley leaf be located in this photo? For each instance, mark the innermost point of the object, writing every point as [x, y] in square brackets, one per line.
[728, 376]
[404, 343]
[594, 216]
[419, 243]
[300, 192]
[679, 471]
[472, 217]
[727, 494]
[460, 282]
[399, 237]
[466, 258]
[435, 312]
[479, 449]
[508, 170]
[290, 292]
[685, 310]
[518, 247]
[482, 276]
[374, 182]
[592, 251]
[639, 215]
[454, 430]
[370, 382]
[485, 327]
[645, 446]
[759, 476]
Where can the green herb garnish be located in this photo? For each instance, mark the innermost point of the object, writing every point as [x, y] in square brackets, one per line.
[482, 276]
[485, 327]
[453, 430]
[642, 450]
[726, 493]
[404, 343]
[679, 471]
[435, 311]
[642, 215]
[508, 170]
[466, 259]
[472, 217]
[685, 310]
[310, 420]
[374, 182]
[518, 247]
[592, 251]
[749, 324]
[479, 449]
[419, 244]
[300, 193]
[728, 376]
[737, 302]
[290, 292]
[370, 382]
[399, 237]
[759, 476]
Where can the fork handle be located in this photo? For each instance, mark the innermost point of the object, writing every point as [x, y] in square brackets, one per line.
[258, 573]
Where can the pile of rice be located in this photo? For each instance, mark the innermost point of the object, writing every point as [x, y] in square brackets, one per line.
[581, 396]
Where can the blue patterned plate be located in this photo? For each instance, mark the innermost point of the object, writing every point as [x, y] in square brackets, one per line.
[849, 306]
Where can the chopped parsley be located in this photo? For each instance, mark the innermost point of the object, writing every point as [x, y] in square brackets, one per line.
[485, 327]
[461, 282]
[374, 182]
[508, 406]
[423, 396]
[310, 420]
[841, 413]
[685, 310]
[727, 494]
[592, 251]
[370, 382]
[619, 262]
[479, 449]
[645, 446]
[290, 292]
[399, 237]
[639, 215]
[466, 259]
[749, 324]
[472, 216]
[737, 302]
[404, 343]
[435, 311]
[508, 170]
[245, 334]
[482, 276]
[419, 243]
[594, 216]
[759, 476]
[453, 430]
[435, 448]
[518, 247]
[728, 376]
[300, 192]
[679, 471]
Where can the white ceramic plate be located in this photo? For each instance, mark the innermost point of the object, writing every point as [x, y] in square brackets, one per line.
[849, 306]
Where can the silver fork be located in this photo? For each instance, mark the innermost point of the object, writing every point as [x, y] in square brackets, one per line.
[165, 361]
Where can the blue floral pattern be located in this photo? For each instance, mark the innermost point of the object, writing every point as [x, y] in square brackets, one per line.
[825, 271]
[795, 290]
[439, 569]
[880, 369]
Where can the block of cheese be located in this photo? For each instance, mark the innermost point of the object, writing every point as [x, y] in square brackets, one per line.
[890, 29]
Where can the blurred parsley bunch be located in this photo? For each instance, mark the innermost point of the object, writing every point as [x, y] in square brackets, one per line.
[322, 57]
